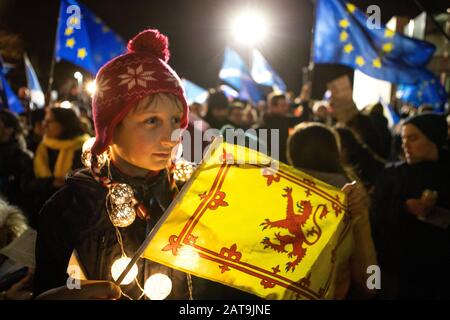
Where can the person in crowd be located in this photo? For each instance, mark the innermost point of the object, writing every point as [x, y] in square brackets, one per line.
[313, 148]
[133, 149]
[217, 114]
[411, 213]
[15, 280]
[16, 162]
[380, 124]
[365, 132]
[58, 153]
[36, 130]
[361, 159]
[277, 118]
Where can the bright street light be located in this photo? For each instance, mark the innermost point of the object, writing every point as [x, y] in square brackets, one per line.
[249, 28]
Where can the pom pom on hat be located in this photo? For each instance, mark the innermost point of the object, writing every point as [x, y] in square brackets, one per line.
[150, 41]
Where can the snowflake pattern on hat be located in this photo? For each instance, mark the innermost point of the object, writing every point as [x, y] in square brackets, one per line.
[136, 77]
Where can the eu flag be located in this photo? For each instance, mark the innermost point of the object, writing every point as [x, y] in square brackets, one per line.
[235, 72]
[428, 90]
[343, 35]
[83, 39]
[8, 99]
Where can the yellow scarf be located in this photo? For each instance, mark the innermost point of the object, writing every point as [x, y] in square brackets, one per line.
[64, 160]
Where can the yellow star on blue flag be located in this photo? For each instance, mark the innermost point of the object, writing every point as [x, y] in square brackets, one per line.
[91, 45]
[342, 36]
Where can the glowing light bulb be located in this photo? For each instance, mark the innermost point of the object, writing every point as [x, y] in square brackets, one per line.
[158, 286]
[86, 152]
[117, 268]
[91, 87]
[122, 215]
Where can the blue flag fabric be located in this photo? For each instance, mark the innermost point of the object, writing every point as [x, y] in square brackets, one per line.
[235, 73]
[36, 94]
[342, 35]
[429, 90]
[229, 91]
[194, 93]
[85, 40]
[8, 99]
[263, 73]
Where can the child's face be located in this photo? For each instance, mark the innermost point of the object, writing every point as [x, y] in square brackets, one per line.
[143, 138]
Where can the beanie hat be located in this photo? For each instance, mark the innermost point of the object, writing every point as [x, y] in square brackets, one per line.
[127, 79]
[432, 125]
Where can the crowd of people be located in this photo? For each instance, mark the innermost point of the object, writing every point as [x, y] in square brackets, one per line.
[397, 178]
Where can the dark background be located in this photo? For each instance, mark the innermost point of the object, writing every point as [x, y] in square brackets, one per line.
[198, 32]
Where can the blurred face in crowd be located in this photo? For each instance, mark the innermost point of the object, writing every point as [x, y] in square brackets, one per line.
[281, 107]
[321, 112]
[416, 146]
[143, 138]
[198, 109]
[236, 116]
[52, 128]
[220, 113]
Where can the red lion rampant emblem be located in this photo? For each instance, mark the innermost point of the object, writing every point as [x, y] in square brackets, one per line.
[294, 223]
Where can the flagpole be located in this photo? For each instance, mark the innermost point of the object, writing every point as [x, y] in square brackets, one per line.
[310, 67]
[53, 62]
[214, 144]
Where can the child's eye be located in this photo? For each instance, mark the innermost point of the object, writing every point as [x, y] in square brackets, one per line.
[176, 120]
[152, 121]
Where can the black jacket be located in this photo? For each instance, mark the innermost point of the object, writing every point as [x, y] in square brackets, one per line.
[416, 252]
[16, 168]
[75, 218]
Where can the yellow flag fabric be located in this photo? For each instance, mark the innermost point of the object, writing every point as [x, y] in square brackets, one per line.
[241, 221]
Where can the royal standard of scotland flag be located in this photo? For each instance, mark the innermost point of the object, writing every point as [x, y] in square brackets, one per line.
[235, 72]
[8, 99]
[428, 91]
[342, 35]
[36, 95]
[84, 39]
[263, 73]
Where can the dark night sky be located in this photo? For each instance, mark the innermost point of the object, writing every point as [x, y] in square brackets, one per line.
[198, 32]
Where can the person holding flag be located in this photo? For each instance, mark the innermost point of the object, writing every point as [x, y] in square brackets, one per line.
[103, 212]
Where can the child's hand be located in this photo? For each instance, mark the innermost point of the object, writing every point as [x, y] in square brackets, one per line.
[89, 290]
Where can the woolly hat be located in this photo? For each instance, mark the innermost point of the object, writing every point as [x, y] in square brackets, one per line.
[127, 79]
[432, 125]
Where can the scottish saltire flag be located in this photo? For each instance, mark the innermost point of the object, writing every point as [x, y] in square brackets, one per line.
[275, 232]
[235, 73]
[429, 90]
[341, 35]
[263, 73]
[36, 95]
[390, 114]
[85, 40]
[8, 99]
[229, 91]
[194, 93]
